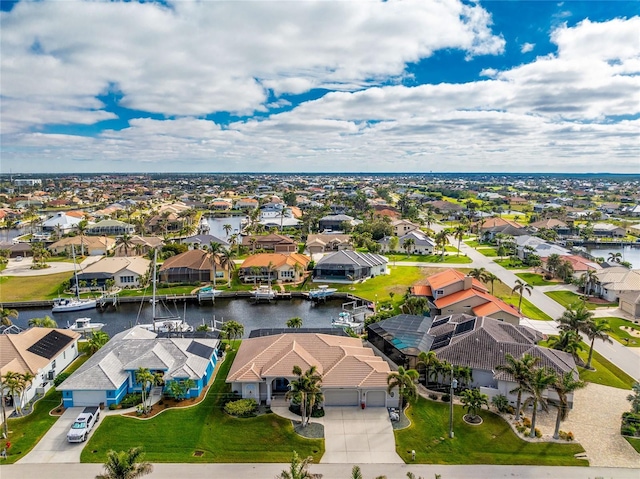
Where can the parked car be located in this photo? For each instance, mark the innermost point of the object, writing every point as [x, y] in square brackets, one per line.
[83, 424]
[18, 258]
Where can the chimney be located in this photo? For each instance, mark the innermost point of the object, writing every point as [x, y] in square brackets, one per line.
[468, 282]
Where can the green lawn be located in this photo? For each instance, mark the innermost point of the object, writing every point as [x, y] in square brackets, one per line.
[488, 252]
[535, 279]
[530, 310]
[567, 298]
[434, 258]
[621, 335]
[510, 263]
[635, 442]
[493, 442]
[605, 373]
[471, 242]
[25, 432]
[28, 288]
[175, 435]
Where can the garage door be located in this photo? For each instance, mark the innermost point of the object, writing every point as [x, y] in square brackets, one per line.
[89, 398]
[376, 398]
[341, 397]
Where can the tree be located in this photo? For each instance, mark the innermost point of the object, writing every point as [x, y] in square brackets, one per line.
[521, 370]
[491, 278]
[473, 400]
[564, 385]
[125, 242]
[232, 330]
[553, 261]
[590, 279]
[146, 379]
[615, 257]
[306, 390]
[407, 245]
[442, 240]
[565, 270]
[299, 469]
[179, 389]
[125, 465]
[82, 226]
[520, 288]
[405, 381]
[541, 380]
[597, 329]
[568, 341]
[576, 318]
[478, 273]
[295, 322]
[458, 233]
[46, 322]
[393, 247]
[96, 341]
[227, 229]
[6, 316]
[634, 398]
[214, 250]
[12, 383]
[429, 361]
[226, 259]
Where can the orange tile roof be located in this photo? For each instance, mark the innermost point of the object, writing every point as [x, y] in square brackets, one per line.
[487, 309]
[276, 260]
[421, 290]
[450, 276]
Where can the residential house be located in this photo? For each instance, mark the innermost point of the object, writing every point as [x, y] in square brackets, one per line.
[274, 267]
[336, 222]
[169, 222]
[608, 230]
[203, 240]
[271, 242]
[614, 281]
[83, 245]
[489, 228]
[526, 245]
[17, 249]
[61, 223]
[417, 242]
[402, 227]
[139, 245]
[558, 226]
[42, 352]
[326, 243]
[349, 266]
[125, 272]
[352, 375]
[110, 373]
[111, 228]
[193, 266]
[630, 303]
[246, 204]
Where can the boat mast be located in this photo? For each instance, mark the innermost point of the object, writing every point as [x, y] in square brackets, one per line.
[75, 271]
[153, 299]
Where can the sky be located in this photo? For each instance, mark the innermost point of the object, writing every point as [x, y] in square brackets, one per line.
[319, 86]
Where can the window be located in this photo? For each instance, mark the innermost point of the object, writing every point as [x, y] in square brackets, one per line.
[127, 279]
[53, 364]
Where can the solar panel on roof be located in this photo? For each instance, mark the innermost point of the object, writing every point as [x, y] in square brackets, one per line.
[50, 345]
[441, 343]
[439, 322]
[200, 349]
[464, 327]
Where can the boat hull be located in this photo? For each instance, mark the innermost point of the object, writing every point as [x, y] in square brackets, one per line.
[73, 305]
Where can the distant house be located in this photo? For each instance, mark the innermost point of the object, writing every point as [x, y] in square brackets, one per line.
[124, 271]
[336, 222]
[192, 266]
[140, 246]
[608, 230]
[271, 242]
[612, 282]
[526, 244]
[43, 352]
[490, 227]
[349, 266]
[87, 245]
[352, 375]
[325, 243]
[246, 204]
[273, 267]
[417, 241]
[61, 222]
[402, 227]
[111, 228]
[110, 373]
[558, 226]
[199, 241]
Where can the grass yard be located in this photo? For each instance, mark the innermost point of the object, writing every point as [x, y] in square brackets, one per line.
[530, 310]
[488, 252]
[493, 442]
[175, 435]
[434, 258]
[635, 442]
[605, 373]
[471, 242]
[567, 298]
[30, 288]
[621, 335]
[510, 263]
[535, 279]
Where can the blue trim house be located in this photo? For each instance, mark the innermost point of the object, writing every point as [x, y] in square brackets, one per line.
[110, 373]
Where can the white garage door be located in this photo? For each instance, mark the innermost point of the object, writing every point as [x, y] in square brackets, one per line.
[89, 398]
[341, 397]
[376, 398]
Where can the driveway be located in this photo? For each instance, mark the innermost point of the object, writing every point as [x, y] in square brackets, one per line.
[23, 268]
[53, 447]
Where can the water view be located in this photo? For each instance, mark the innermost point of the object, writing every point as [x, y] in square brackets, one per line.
[216, 225]
[629, 253]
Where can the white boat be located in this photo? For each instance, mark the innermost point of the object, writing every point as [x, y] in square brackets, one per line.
[208, 293]
[263, 292]
[345, 320]
[84, 325]
[321, 292]
[63, 305]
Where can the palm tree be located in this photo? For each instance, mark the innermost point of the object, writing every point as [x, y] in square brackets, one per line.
[576, 318]
[489, 277]
[473, 400]
[405, 381]
[46, 322]
[590, 279]
[25, 380]
[478, 273]
[146, 379]
[214, 250]
[232, 330]
[13, 385]
[520, 288]
[568, 341]
[553, 261]
[597, 329]
[125, 465]
[227, 229]
[429, 361]
[615, 257]
[299, 469]
[226, 259]
[96, 341]
[6, 316]
[539, 382]
[458, 233]
[82, 226]
[306, 391]
[564, 385]
[294, 322]
[521, 370]
[565, 270]
[408, 244]
[125, 242]
[442, 240]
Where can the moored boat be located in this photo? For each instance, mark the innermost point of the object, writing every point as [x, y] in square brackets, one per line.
[208, 293]
[344, 320]
[84, 325]
[263, 292]
[321, 292]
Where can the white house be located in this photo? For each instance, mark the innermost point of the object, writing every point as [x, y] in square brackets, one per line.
[124, 271]
[61, 222]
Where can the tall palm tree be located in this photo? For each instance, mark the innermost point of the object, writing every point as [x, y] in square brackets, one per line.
[576, 318]
[615, 257]
[125, 242]
[568, 341]
[564, 385]
[597, 329]
[232, 330]
[299, 469]
[520, 288]
[590, 279]
[125, 465]
[407, 245]
[82, 227]
[214, 250]
[553, 261]
[541, 380]
[46, 322]
[491, 278]
[146, 379]
[295, 322]
[458, 233]
[6, 316]
[306, 390]
[521, 370]
[473, 400]
[442, 240]
[96, 341]
[226, 259]
[429, 361]
[227, 229]
[478, 273]
[405, 381]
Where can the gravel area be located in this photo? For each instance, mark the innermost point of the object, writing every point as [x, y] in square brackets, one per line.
[313, 430]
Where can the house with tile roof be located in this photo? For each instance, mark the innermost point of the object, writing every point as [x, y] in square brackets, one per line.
[614, 281]
[140, 246]
[192, 266]
[125, 272]
[326, 243]
[351, 373]
[490, 227]
[402, 227]
[273, 267]
[43, 352]
[111, 228]
[418, 242]
[61, 222]
[271, 242]
[87, 245]
[110, 373]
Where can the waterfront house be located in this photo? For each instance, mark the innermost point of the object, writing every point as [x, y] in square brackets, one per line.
[271, 242]
[111, 228]
[193, 266]
[352, 375]
[326, 243]
[417, 241]
[349, 266]
[139, 246]
[274, 267]
[61, 223]
[110, 373]
[614, 281]
[125, 272]
[83, 245]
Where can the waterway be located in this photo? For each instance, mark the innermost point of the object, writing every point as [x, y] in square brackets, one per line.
[216, 226]
[252, 315]
[629, 253]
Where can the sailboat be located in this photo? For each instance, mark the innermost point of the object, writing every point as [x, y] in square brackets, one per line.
[63, 305]
[164, 324]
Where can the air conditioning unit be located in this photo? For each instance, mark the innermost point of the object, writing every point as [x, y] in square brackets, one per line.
[51, 375]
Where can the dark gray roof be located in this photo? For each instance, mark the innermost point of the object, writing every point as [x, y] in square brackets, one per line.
[344, 257]
[336, 218]
[407, 333]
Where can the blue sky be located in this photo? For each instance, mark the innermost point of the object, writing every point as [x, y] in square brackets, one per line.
[320, 86]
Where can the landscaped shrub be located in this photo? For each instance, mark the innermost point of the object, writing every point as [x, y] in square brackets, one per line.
[630, 424]
[538, 433]
[520, 428]
[113, 406]
[500, 402]
[59, 378]
[317, 411]
[228, 397]
[241, 407]
[570, 436]
[628, 430]
[131, 400]
[446, 398]
[526, 421]
[433, 396]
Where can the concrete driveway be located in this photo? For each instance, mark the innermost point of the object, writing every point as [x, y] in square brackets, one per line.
[23, 268]
[53, 447]
[358, 436]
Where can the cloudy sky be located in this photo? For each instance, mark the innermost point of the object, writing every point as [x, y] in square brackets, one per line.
[304, 86]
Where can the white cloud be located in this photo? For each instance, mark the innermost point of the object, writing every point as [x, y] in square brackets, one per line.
[527, 47]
